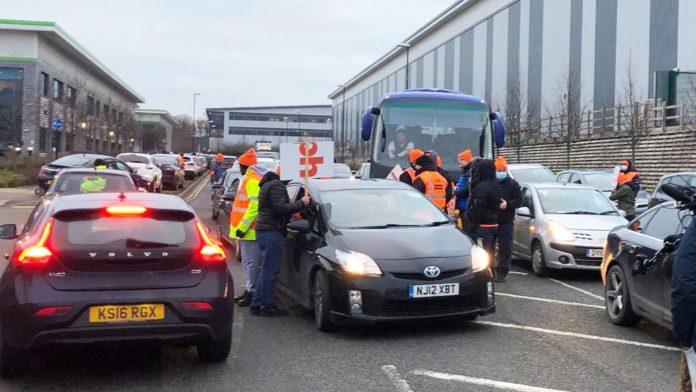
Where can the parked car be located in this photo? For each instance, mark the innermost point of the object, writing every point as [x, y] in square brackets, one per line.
[146, 166]
[228, 161]
[630, 298]
[364, 171]
[602, 179]
[113, 267]
[377, 263]
[70, 181]
[341, 170]
[563, 226]
[681, 178]
[530, 172]
[173, 176]
[220, 188]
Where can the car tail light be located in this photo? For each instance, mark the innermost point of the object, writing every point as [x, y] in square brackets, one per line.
[38, 254]
[53, 311]
[195, 305]
[126, 210]
[210, 251]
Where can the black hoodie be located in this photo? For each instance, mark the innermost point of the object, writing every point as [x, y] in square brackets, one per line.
[275, 207]
[484, 201]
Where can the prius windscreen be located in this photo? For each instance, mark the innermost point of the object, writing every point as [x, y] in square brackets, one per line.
[379, 208]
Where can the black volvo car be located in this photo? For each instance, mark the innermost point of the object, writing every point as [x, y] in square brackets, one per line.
[110, 267]
[378, 250]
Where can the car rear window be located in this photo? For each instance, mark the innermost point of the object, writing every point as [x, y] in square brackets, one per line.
[167, 161]
[134, 159]
[75, 183]
[71, 160]
[118, 230]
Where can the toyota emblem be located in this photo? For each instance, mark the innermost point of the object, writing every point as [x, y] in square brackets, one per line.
[431, 271]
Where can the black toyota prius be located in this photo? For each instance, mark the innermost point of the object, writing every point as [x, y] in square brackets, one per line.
[110, 267]
[378, 250]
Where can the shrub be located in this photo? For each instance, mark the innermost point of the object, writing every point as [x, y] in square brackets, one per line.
[10, 179]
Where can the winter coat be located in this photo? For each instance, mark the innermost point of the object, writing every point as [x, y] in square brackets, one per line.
[684, 289]
[462, 190]
[625, 196]
[420, 185]
[484, 201]
[275, 207]
[510, 192]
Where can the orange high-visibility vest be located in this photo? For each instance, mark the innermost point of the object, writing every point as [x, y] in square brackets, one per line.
[411, 173]
[435, 187]
[245, 206]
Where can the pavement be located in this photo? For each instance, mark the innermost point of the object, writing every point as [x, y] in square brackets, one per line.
[548, 334]
[18, 196]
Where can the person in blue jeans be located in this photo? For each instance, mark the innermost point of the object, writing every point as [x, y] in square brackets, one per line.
[275, 209]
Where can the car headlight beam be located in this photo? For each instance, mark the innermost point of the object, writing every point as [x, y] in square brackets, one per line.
[560, 232]
[357, 263]
[480, 259]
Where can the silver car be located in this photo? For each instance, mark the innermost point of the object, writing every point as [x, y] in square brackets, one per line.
[530, 172]
[563, 226]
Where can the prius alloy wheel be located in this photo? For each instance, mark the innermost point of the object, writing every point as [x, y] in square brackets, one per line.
[617, 298]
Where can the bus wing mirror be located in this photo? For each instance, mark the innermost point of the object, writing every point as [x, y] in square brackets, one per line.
[498, 129]
[366, 124]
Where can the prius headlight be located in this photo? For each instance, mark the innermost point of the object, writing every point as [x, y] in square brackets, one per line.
[560, 232]
[479, 258]
[357, 263]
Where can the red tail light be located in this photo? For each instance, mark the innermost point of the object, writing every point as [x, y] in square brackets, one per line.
[209, 251]
[126, 210]
[193, 305]
[39, 253]
[53, 311]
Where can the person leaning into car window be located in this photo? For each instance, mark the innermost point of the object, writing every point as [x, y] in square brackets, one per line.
[275, 209]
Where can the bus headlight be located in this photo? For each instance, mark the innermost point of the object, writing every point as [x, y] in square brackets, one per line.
[480, 259]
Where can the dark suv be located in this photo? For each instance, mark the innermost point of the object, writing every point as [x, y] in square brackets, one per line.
[114, 267]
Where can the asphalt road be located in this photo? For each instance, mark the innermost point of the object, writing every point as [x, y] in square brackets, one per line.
[548, 334]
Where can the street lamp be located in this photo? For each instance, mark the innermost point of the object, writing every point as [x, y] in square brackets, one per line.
[193, 135]
[343, 121]
[407, 47]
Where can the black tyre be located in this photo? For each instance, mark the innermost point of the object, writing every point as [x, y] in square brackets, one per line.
[617, 299]
[215, 350]
[539, 267]
[322, 302]
[151, 187]
[13, 361]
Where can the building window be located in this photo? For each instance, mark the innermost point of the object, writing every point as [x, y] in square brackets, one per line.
[90, 106]
[43, 133]
[120, 118]
[44, 84]
[113, 115]
[72, 96]
[58, 90]
[106, 112]
[98, 109]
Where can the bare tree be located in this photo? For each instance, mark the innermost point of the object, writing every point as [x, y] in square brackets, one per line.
[566, 124]
[518, 117]
[182, 133]
[631, 114]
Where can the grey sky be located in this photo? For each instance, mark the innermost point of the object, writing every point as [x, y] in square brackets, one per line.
[236, 53]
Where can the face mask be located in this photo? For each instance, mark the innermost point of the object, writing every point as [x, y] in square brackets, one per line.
[501, 175]
[624, 167]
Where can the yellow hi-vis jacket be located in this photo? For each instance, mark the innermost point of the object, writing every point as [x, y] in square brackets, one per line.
[93, 184]
[246, 206]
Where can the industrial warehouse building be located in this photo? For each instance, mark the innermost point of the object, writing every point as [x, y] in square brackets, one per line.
[45, 75]
[531, 56]
[275, 124]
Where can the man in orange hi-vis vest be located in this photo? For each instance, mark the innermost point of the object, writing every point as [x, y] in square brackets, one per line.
[243, 222]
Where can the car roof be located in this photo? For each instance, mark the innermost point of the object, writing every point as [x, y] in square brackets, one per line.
[525, 166]
[338, 184]
[103, 200]
[556, 185]
[588, 171]
[91, 170]
[684, 173]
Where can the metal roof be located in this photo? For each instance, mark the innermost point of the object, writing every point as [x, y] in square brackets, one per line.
[60, 37]
[428, 93]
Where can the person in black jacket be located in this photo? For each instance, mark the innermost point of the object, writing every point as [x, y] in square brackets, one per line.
[511, 195]
[275, 209]
[423, 164]
[684, 296]
[484, 202]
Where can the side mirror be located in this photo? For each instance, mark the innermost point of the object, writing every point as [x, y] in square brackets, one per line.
[524, 211]
[39, 191]
[299, 226]
[8, 232]
[229, 196]
[498, 129]
[366, 124]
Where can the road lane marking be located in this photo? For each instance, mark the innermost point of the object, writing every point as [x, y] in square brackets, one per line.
[203, 181]
[577, 335]
[482, 381]
[22, 206]
[517, 273]
[553, 301]
[399, 383]
[599, 297]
